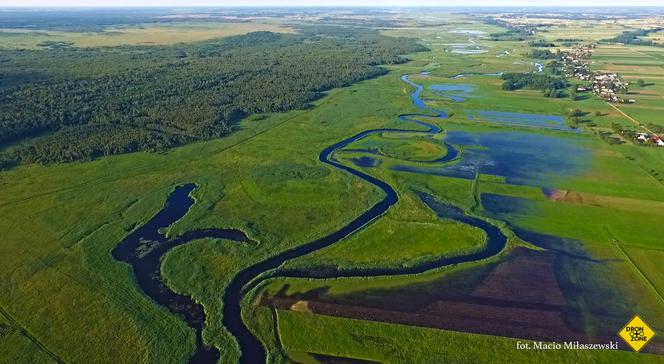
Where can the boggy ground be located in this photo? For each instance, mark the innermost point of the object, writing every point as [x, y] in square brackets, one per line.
[520, 296]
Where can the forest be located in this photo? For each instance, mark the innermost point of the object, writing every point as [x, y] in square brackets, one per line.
[65, 104]
[635, 37]
[553, 86]
[543, 54]
[542, 43]
[513, 35]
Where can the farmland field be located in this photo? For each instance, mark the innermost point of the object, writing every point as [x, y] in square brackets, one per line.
[314, 185]
[139, 35]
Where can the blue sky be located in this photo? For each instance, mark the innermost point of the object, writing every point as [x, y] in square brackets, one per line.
[189, 3]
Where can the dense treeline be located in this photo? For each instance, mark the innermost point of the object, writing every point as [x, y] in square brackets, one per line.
[552, 86]
[656, 128]
[543, 54]
[511, 35]
[542, 43]
[633, 37]
[555, 67]
[97, 102]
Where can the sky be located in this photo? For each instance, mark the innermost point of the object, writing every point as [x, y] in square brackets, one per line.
[190, 3]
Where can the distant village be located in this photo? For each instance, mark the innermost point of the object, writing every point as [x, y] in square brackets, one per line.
[605, 85]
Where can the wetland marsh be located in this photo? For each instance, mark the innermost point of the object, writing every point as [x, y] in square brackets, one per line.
[320, 185]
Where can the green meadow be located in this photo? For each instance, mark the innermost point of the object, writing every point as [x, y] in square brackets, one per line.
[392, 343]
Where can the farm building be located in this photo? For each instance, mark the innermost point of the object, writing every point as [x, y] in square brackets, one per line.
[658, 140]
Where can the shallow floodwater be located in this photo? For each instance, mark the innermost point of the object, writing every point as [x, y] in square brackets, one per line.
[465, 48]
[459, 93]
[455, 92]
[468, 31]
[500, 205]
[520, 157]
[365, 161]
[469, 51]
[522, 119]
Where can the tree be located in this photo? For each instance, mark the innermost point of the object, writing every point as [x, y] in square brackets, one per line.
[156, 97]
[616, 127]
[551, 85]
[574, 122]
[641, 82]
[572, 94]
[576, 113]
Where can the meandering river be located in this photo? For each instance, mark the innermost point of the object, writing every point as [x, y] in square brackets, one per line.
[144, 247]
[252, 349]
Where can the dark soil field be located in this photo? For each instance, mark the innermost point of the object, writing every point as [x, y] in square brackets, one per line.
[519, 298]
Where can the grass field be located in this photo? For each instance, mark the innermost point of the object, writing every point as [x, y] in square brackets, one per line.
[423, 149]
[213, 262]
[302, 333]
[637, 62]
[409, 235]
[647, 263]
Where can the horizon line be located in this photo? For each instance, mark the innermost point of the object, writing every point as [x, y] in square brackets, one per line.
[319, 6]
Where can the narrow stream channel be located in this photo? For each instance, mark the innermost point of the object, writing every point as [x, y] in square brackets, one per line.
[143, 250]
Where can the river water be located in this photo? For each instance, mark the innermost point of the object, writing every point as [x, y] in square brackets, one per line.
[252, 349]
[144, 248]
